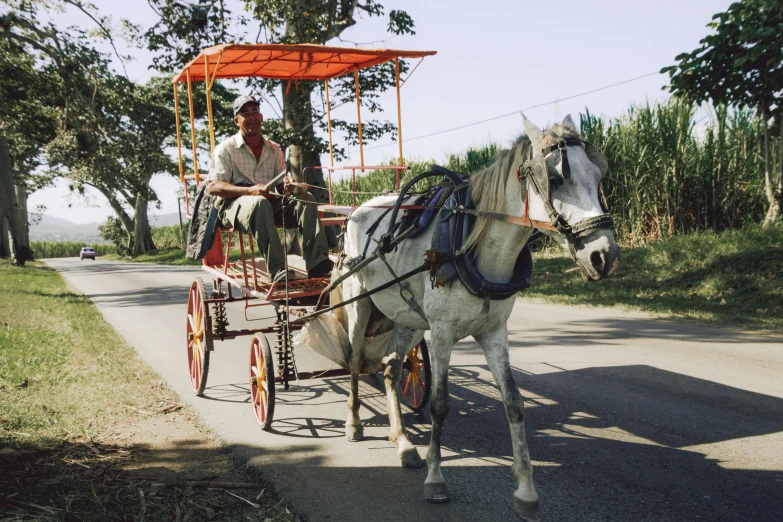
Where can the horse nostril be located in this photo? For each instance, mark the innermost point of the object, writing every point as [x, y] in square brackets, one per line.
[598, 261]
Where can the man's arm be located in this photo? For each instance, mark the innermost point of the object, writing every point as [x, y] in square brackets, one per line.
[226, 190]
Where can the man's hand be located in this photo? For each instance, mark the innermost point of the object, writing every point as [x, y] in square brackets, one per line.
[289, 186]
[259, 190]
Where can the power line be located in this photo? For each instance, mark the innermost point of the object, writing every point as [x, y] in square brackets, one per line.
[512, 113]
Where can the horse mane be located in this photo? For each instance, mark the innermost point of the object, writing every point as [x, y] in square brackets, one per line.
[488, 187]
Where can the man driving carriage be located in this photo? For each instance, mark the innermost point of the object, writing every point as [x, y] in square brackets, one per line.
[241, 166]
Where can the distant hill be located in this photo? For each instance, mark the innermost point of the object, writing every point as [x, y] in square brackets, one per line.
[52, 228]
[166, 220]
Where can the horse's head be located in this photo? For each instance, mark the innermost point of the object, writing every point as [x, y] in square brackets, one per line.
[561, 180]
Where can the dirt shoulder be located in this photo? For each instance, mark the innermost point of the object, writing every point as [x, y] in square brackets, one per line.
[88, 432]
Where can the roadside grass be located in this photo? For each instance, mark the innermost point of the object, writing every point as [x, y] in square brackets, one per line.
[170, 256]
[46, 249]
[70, 390]
[734, 278]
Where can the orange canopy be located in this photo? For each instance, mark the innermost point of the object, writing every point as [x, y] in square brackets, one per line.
[286, 62]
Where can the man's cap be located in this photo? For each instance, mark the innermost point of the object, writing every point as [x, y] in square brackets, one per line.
[243, 100]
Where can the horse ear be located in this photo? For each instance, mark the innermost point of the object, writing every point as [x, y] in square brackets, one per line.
[597, 158]
[532, 130]
[569, 124]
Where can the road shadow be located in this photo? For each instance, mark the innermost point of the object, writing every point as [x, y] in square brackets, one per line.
[630, 446]
[146, 296]
[617, 332]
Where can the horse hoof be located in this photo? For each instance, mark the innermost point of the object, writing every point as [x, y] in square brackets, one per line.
[410, 459]
[529, 511]
[436, 493]
[354, 433]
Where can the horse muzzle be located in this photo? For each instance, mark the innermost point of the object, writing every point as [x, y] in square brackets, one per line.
[599, 256]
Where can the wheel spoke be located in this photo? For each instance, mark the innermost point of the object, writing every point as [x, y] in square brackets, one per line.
[192, 325]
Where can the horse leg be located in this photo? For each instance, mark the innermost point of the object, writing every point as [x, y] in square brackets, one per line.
[357, 326]
[353, 426]
[401, 343]
[495, 346]
[435, 489]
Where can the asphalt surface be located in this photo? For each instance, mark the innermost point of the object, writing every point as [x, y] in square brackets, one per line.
[628, 418]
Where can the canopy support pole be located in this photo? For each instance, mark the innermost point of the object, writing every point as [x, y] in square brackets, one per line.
[359, 117]
[192, 126]
[208, 87]
[329, 122]
[179, 136]
[399, 120]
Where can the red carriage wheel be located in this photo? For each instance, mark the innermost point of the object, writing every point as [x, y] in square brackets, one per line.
[262, 381]
[199, 337]
[415, 377]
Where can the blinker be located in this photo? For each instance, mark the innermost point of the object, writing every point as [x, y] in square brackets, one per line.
[566, 168]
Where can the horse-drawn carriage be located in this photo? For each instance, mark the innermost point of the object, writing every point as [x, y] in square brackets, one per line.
[247, 279]
[471, 234]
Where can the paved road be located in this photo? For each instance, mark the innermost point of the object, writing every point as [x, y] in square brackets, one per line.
[629, 418]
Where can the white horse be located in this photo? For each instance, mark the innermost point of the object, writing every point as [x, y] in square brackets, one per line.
[550, 177]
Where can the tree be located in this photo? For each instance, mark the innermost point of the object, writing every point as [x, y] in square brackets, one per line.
[184, 29]
[741, 65]
[107, 132]
[28, 120]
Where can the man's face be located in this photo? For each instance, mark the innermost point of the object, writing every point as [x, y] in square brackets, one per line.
[249, 120]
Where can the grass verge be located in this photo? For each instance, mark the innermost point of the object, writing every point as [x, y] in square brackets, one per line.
[734, 278]
[89, 432]
[171, 256]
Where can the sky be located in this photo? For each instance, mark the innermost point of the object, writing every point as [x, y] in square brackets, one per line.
[507, 56]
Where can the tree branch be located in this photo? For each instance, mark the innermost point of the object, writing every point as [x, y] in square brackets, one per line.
[109, 37]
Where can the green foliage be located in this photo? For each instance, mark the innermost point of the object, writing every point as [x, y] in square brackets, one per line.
[49, 249]
[171, 236]
[740, 63]
[377, 182]
[115, 233]
[733, 277]
[667, 176]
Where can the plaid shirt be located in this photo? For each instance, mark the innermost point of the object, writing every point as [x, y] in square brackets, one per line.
[234, 162]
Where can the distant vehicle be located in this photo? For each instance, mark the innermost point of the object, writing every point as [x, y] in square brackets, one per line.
[87, 253]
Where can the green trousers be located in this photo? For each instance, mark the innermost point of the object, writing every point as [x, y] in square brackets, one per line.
[258, 216]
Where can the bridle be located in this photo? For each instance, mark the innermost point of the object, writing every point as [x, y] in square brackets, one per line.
[535, 173]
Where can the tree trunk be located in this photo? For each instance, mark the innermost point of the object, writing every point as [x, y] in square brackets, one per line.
[12, 241]
[142, 233]
[123, 216]
[298, 116]
[24, 224]
[773, 195]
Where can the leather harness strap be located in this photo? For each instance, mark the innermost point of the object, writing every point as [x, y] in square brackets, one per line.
[525, 222]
